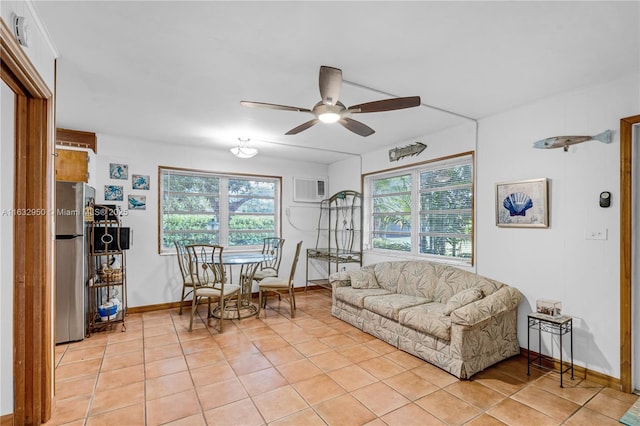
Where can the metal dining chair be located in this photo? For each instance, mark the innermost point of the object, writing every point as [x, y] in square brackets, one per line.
[271, 246]
[183, 263]
[280, 285]
[208, 277]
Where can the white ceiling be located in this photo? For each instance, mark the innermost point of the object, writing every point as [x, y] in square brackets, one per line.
[175, 71]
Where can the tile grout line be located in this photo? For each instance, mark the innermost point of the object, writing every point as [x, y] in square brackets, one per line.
[95, 385]
[195, 389]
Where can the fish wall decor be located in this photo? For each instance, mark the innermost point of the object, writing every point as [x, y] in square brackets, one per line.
[564, 141]
[406, 151]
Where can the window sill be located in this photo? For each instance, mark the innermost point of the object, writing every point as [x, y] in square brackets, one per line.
[408, 256]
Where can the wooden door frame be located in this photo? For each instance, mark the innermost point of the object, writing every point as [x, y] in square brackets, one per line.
[32, 233]
[626, 251]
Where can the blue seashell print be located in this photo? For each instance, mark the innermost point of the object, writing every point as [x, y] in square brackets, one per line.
[517, 203]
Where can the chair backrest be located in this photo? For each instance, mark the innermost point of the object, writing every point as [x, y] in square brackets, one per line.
[205, 265]
[272, 246]
[295, 263]
[247, 272]
[183, 259]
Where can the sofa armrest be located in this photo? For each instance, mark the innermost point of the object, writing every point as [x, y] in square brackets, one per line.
[503, 300]
[340, 279]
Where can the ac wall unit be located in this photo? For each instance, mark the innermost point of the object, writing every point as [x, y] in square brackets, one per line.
[308, 190]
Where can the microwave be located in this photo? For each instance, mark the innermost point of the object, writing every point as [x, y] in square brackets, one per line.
[112, 238]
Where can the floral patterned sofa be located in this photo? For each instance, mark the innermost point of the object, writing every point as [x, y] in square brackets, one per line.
[454, 319]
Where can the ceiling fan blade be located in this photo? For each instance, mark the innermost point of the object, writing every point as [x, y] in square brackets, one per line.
[272, 106]
[357, 127]
[330, 84]
[303, 126]
[386, 105]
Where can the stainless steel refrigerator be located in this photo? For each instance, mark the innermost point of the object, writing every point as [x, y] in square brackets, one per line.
[71, 260]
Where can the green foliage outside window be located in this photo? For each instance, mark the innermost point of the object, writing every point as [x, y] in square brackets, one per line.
[191, 209]
[390, 244]
[446, 200]
[392, 213]
[437, 214]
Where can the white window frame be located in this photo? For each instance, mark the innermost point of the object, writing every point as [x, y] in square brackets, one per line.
[224, 196]
[415, 170]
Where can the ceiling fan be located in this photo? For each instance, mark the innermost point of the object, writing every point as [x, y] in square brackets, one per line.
[330, 109]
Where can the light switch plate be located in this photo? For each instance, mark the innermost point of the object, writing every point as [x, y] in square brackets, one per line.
[596, 234]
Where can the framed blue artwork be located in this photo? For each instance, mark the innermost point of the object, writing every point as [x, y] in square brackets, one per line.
[140, 182]
[118, 171]
[113, 193]
[137, 202]
[523, 204]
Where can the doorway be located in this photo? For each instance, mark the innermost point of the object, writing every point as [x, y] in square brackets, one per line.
[629, 256]
[635, 294]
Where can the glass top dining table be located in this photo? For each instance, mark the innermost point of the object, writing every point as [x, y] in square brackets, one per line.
[249, 263]
[243, 258]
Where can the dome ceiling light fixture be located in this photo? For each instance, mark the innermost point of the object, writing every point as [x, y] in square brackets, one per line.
[244, 150]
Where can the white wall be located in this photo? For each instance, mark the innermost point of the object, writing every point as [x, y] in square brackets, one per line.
[345, 175]
[7, 109]
[447, 142]
[42, 54]
[154, 279]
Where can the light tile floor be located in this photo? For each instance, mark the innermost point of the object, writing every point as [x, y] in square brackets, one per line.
[310, 370]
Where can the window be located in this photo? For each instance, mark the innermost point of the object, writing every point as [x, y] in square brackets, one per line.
[424, 210]
[236, 211]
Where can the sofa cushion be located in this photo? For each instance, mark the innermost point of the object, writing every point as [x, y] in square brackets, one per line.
[487, 285]
[452, 281]
[387, 274]
[462, 298]
[390, 305]
[418, 278]
[340, 276]
[356, 296]
[363, 278]
[427, 318]
[503, 300]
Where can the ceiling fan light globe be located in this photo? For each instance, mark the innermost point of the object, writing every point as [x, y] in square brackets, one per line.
[329, 117]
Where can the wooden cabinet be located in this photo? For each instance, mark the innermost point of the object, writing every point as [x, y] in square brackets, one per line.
[72, 166]
[77, 139]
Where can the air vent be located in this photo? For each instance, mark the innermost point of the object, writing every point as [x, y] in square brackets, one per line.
[309, 190]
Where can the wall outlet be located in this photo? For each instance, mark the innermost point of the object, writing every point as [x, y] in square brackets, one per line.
[596, 234]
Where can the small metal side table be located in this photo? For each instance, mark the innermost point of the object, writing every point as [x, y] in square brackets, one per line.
[558, 326]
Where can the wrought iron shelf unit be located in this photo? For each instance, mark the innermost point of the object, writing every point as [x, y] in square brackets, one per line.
[107, 265]
[339, 237]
